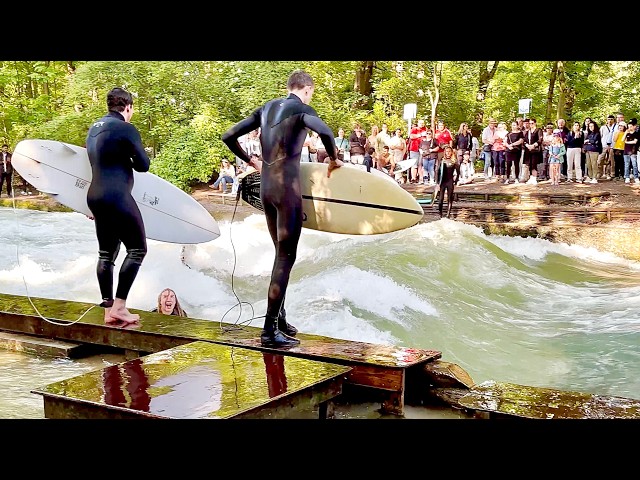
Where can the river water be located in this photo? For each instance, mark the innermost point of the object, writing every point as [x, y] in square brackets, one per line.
[510, 309]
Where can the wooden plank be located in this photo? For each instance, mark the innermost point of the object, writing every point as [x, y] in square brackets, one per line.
[378, 366]
[511, 400]
[49, 347]
[200, 380]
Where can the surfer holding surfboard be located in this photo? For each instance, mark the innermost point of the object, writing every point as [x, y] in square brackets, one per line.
[283, 124]
[115, 149]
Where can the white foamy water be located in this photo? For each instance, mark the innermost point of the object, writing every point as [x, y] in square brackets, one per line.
[510, 309]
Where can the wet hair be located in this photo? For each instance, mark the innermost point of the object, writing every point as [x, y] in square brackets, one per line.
[298, 80]
[177, 309]
[118, 99]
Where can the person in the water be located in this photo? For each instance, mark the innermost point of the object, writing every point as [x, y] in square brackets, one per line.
[115, 149]
[283, 124]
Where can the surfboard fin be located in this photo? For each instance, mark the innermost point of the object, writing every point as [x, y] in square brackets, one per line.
[68, 148]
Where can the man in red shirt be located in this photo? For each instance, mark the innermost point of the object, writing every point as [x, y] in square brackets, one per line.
[443, 137]
[414, 151]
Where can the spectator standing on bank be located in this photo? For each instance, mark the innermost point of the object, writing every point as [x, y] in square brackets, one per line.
[398, 147]
[547, 139]
[575, 140]
[592, 148]
[618, 150]
[513, 142]
[631, 151]
[342, 144]
[6, 170]
[605, 160]
[532, 150]
[463, 141]
[488, 137]
[357, 141]
[498, 151]
[564, 133]
[415, 136]
[556, 151]
[429, 153]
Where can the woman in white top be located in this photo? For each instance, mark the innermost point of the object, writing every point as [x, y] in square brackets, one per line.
[227, 174]
[397, 147]
[342, 144]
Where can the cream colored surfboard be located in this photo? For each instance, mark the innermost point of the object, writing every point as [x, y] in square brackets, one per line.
[351, 201]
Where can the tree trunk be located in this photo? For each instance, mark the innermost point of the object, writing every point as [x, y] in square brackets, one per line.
[362, 84]
[485, 75]
[552, 83]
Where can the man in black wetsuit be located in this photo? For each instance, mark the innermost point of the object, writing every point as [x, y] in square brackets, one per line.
[115, 149]
[283, 125]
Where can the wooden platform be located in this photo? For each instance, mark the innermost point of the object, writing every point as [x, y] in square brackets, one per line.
[47, 347]
[499, 400]
[200, 380]
[380, 368]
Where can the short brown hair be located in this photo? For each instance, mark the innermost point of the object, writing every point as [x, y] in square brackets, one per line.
[298, 80]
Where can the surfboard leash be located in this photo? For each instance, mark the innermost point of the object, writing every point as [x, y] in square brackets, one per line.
[237, 325]
[24, 281]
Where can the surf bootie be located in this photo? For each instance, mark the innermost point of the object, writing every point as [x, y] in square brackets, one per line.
[285, 327]
[271, 336]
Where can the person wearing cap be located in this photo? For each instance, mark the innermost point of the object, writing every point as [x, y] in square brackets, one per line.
[631, 151]
[488, 137]
[605, 159]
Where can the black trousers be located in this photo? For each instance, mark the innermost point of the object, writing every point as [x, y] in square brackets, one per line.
[6, 177]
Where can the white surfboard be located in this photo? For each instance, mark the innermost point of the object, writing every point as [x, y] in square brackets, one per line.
[63, 171]
[401, 166]
[372, 171]
[351, 201]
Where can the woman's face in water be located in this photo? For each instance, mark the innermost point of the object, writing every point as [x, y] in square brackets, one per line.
[167, 301]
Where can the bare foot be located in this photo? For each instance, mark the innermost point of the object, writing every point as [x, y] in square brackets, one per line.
[117, 315]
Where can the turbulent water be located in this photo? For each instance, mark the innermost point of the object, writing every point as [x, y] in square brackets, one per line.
[518, 310]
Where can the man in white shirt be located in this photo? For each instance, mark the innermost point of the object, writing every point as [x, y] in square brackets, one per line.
[488, 137]
[605, 159]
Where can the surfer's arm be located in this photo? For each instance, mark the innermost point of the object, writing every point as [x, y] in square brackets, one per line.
[231, 136]
[324, 132]
[139, 157]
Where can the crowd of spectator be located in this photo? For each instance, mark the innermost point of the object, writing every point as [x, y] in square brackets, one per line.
[516, 152]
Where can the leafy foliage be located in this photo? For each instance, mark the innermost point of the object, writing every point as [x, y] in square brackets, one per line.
[183, 107]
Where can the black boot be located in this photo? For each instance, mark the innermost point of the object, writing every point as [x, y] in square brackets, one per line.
[271, 336]
[285, 327]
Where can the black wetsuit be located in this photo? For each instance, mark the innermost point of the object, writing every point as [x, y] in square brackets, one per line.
[115, 150]
[446, 182]
[283, 126]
